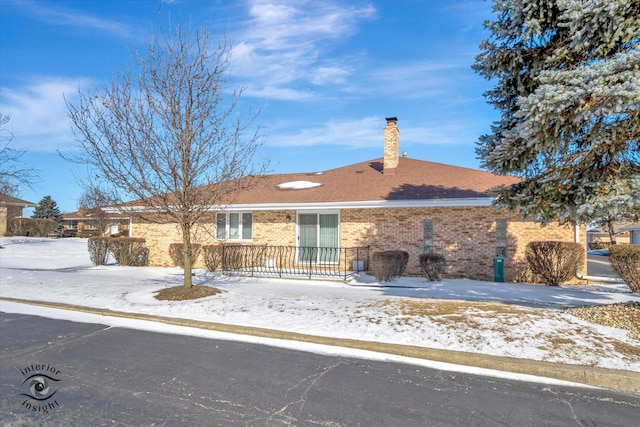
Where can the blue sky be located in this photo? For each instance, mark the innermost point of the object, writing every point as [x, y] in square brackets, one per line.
[324, 74]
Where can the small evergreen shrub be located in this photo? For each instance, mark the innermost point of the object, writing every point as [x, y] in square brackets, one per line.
[98, 250]
[212, 257]
[175, 251]
[128, 250]
[554, 262]
[388, 265]
[433, 265]
[625, 260]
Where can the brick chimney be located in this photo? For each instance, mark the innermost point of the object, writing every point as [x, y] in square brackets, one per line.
[391, 139]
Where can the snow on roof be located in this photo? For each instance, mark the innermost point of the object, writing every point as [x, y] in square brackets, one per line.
[298, 185]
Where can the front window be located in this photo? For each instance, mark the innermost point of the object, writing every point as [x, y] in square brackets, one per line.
[73, 224]
[234, 226]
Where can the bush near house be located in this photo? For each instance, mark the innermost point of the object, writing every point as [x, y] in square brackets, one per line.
[212, 256]
[129, 250]
[625, 260]
[126, 250]
[175, 251]
[388, 265]
[98, 248]
[554, 262]
[433, 265]
[33, 227]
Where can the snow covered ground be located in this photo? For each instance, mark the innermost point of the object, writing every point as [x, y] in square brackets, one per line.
[516, 320]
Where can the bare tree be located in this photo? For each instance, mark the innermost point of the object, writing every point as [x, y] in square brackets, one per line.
[12, 174]
[94, 200]
[169, 134]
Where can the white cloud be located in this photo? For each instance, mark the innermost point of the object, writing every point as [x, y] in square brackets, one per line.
[61, 16]
[367, 133]
[283, 43]
[38, 112]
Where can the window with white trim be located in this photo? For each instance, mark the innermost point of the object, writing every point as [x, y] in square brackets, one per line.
[234, 226]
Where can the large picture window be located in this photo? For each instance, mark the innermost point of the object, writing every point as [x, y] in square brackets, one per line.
[234, 226]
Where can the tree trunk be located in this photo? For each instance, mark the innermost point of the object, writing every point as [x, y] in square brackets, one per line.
[186, 256]
[612, 233]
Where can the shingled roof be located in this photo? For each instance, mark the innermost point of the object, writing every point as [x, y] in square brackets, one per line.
[412, 180]
[390, 181]
[6, 200]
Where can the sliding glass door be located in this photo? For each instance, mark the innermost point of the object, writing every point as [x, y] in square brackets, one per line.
[318, 237]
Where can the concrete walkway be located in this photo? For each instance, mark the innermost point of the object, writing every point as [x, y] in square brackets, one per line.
[619, 380]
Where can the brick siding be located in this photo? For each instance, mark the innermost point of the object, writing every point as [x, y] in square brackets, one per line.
[466, 236]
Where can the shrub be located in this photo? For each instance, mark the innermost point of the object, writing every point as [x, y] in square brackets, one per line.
[554, 262]
[404, 260]
[98, 250]
[175, 251]
[88, 233]
[212, 256]
[433, 265]
[625, 261]
[232, 257]
[522, 273]
[388, 265]
[128, 250]
[35, 227]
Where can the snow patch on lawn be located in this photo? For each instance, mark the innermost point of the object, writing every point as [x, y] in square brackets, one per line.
[502, 319]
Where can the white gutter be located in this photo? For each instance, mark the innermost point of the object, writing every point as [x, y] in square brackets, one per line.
[366, 204]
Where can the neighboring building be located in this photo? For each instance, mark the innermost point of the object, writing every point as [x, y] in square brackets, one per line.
[634, 232]
[86, 223]
[389, 203]
[11, 207]
[626, 232]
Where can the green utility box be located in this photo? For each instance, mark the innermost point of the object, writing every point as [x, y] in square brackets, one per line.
[498, 269]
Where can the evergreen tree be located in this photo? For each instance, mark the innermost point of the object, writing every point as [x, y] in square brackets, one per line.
[568, 90]
[47, 209]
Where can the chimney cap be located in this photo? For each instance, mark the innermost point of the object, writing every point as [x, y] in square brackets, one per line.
[391, 120]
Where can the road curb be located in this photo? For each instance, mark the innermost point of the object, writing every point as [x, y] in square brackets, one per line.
[619, 380]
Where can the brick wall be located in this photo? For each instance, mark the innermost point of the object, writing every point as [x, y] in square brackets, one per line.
[7, 213]
[466, 236]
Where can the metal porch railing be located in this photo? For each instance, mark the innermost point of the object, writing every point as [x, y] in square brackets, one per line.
[294, 261]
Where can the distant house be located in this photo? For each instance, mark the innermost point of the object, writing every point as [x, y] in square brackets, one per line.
[86, 223]
[389, 203]
[634, 232]
[626, 232]
[11, 207]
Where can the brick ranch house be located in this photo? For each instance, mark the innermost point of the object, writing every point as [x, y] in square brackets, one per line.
[10, 208]
[389, 203]
[83, 223]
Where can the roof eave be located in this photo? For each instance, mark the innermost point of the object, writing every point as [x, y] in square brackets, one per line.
[371, 204]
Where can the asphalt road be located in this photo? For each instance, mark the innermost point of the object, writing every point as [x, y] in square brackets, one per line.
[96, 375]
